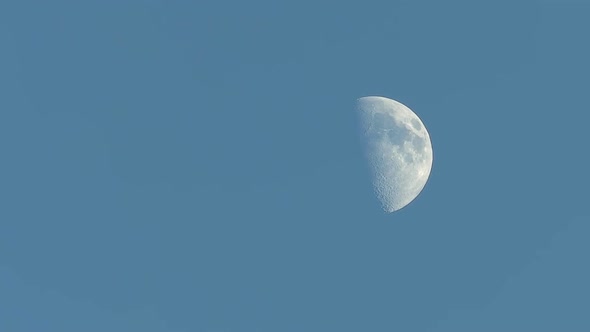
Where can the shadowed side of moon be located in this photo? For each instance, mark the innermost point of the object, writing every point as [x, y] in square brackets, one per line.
[397, 148]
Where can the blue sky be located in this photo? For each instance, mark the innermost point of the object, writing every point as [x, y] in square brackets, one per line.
[180, 166]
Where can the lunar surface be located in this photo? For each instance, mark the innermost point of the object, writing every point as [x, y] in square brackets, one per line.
[397, 148]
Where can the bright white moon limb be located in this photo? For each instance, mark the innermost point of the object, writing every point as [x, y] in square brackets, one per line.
[398, 149]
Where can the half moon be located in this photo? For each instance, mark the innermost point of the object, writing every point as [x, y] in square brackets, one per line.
[397, 148]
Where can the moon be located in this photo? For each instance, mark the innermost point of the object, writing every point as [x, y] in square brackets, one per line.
[398, 149]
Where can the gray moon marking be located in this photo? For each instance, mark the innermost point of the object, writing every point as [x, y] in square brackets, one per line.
[397, 148]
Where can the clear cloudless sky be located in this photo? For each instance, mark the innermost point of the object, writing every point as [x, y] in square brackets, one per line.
[195, 166]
